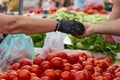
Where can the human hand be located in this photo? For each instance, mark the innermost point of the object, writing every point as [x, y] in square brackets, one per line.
[71, 27]
[89, 30]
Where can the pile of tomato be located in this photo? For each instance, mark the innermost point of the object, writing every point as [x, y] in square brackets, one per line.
[61, 66]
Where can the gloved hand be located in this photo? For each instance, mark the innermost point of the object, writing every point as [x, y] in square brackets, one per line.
[71, 27]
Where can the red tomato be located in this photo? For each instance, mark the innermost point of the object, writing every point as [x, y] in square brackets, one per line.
[90, 11]
[33, 75]
[67, 67]
[101, 78]
[15, 66]
[66, 75]
[45, 65]
[58, 72]
[117, 78]
[35, 69]
[2, 76]
[23, 74]
[89, 68]
[50, 73]
[25, 62]
[108, 59]
[62, 55]
[98, 69]
[103, 11]
[73, 58]
[117, 70]
[38, 60]
[57, 62]
[65, 60]
[50, 56]
[82, 75]
[109, 76]
[11, 75]
[117, 74]
[77, 67]
[45, 78]
[35, 78]
[27, 67]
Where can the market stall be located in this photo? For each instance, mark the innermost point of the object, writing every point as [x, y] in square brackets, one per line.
[59, 56]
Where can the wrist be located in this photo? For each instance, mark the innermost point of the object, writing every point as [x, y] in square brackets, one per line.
[94, 29]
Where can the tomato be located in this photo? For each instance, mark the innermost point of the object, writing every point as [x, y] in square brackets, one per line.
[117, 70]
[50, 73]
[65, 60]
[103, 64]
[90, 11]
[103, 11]
[77, 67]
[67, 67]
[33, 75]
[57, 62]
[77, 10]
[108, 59]
[38, 60]
[45, 65]
[50, 56]
[109, 76]
[117, 74]
[2, 76]
[23, 74]
[62, 55]
[27, 67]
[46, 78]
[11, 75]
[58, 72]
[73, 58]
[35, 69]
[25, 61]
[83, 54]
[89, 68]
[112, 69]
[96, 74]
[15, 66]
[82, 75]
[98, 69]
[101, 78]
[81, 60]
[117, 78]
[66, 75]
[35, 78]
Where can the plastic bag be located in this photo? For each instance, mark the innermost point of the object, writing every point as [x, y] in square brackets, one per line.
[53, 42]
[116, 39]
[14, 48]
[94, 4]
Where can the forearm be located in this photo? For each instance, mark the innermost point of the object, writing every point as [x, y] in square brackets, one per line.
[110, 28]
[29, 25]
[115, 14]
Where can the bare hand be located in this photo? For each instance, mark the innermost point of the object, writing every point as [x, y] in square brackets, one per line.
[89, 30]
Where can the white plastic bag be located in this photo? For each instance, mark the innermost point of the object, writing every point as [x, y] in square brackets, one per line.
[54, 41]
[116, 39]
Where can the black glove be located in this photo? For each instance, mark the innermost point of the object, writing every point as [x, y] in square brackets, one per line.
[71, 27]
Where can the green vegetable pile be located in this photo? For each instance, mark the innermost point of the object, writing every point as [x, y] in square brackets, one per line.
[78, 16]
[93, 43]
[38, 39]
